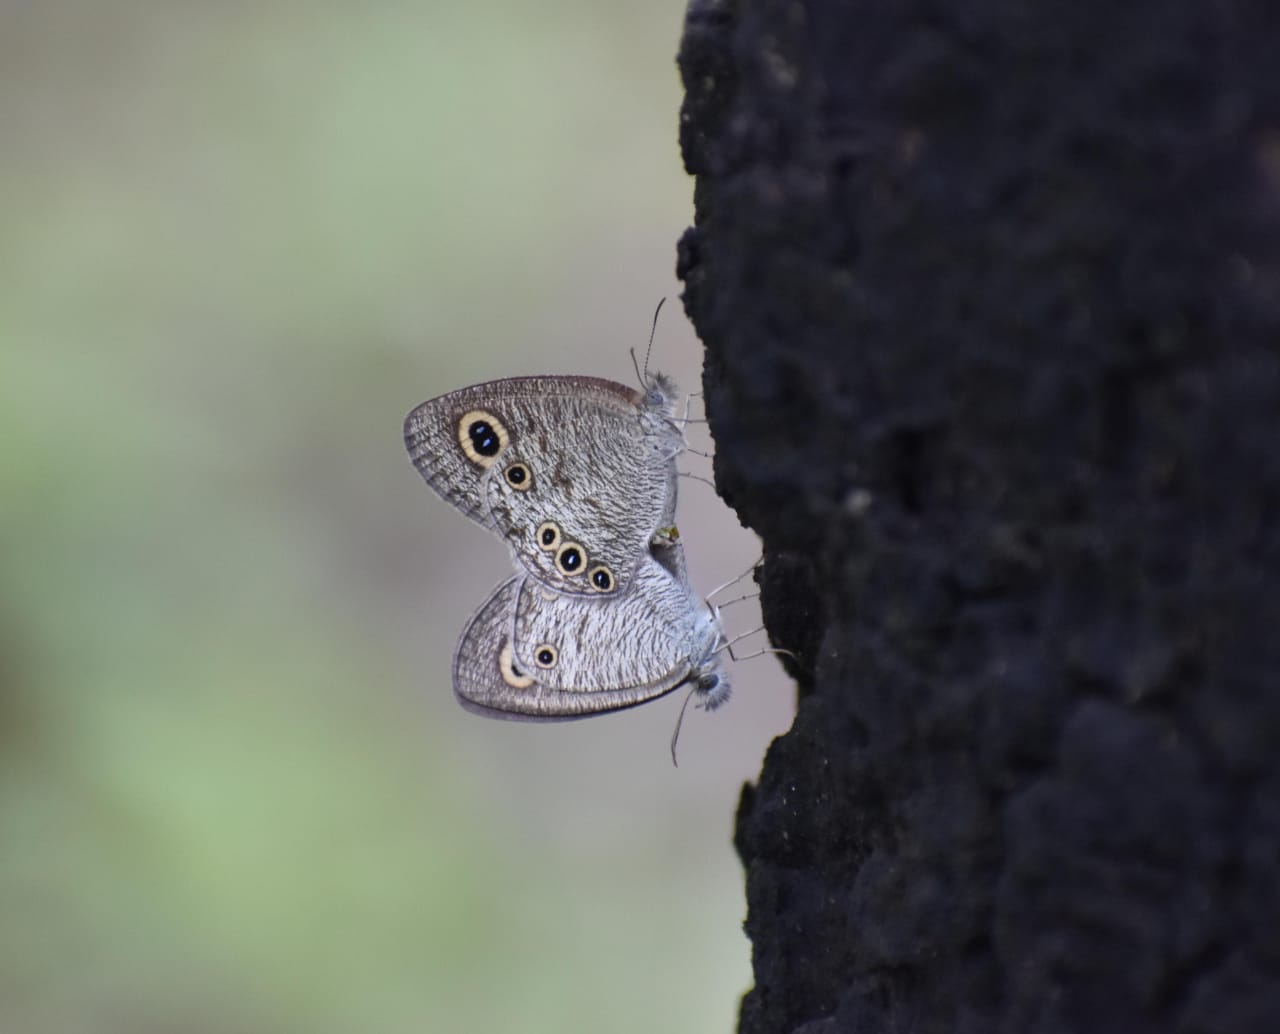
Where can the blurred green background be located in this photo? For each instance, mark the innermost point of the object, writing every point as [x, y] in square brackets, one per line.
[237, 243]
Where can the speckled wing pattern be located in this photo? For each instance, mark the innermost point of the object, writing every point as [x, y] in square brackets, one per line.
[577, 474]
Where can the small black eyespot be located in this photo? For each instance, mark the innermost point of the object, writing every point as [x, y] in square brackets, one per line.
[602, 579]
[570, 559]
[484, 439]
[545, 656]
[517, 476]
[548, 535]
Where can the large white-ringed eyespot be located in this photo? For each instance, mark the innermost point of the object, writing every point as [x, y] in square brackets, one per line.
[546, 655]
[511, 673]
[482, 437]
[518, 477]
[548, 535]
[601, 578]
[571, 558]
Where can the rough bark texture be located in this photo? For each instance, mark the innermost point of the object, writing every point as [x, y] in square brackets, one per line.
[990, 294]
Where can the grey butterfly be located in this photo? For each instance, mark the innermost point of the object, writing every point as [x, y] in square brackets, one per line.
[533, 654]
[576, 473]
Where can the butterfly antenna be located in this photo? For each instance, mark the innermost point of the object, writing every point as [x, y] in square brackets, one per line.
[675, 736]
[652, 330]
[644, 374]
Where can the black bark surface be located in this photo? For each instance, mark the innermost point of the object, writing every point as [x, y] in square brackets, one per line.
[990, 294]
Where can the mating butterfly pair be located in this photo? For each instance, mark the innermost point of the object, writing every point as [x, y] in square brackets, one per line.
[578, 476]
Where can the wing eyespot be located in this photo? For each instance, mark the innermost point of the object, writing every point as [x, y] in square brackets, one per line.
[482, 437]
[571, 559]
[548, 535]
[601, 578]
[510, 671]
[546, 655]
[518, 477]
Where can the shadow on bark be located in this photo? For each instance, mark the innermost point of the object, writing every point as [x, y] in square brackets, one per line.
[990, 295]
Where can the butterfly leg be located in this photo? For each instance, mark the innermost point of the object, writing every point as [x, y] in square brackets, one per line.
[697, 477]
[728, 646]
[688, 402]
[755, 566]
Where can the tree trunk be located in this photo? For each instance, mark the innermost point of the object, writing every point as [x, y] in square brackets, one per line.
[990, 294]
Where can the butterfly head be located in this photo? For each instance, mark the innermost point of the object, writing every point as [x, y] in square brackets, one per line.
[660, 393]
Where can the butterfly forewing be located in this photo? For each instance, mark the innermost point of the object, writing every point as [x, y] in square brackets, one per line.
[591, 458]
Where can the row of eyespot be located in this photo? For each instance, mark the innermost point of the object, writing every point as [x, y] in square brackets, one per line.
[482, 438]
[487, 438]
[571, 558]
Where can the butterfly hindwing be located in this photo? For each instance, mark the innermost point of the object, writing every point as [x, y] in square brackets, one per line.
[532, 653]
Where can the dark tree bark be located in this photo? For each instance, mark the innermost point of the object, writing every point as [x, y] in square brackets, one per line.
[990, 294]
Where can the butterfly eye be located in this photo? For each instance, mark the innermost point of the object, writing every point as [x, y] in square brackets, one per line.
[518, 477]
[545, 656]
[571, 558]
[548, 534]
[482, 436]
[601, 578]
